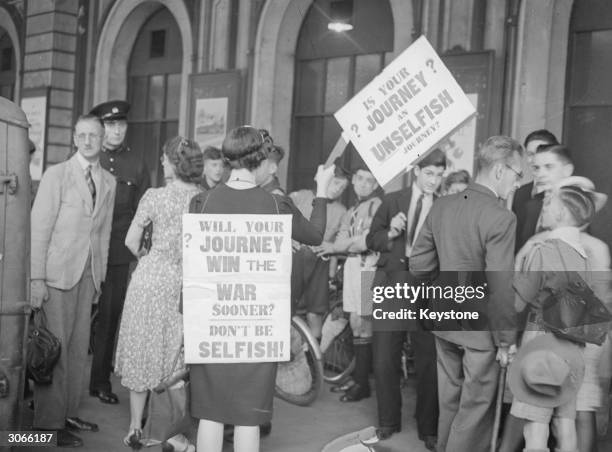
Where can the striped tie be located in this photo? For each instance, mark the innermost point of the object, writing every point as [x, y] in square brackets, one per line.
[90, 184]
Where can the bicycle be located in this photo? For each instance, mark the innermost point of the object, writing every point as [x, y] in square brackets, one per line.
[299, 381]
[338, 355]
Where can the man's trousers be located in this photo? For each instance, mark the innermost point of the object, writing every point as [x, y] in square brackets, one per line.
[387, 351]
[110, 307]
[68, 315]
[467, 385]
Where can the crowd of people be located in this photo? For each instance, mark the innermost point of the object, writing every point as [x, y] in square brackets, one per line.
[91, 212]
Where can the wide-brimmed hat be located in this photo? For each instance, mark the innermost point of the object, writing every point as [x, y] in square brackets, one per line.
[546, 371]
[599, 199]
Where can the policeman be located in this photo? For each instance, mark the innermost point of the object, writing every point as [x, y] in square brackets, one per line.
[130, 171]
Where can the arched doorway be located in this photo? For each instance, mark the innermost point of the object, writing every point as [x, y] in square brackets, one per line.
[330, 68]
[154, 87]
[275, 45]
[588, 108]
[8, 66]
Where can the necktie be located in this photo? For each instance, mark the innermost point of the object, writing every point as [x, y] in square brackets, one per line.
[415, 220]
[90, 184]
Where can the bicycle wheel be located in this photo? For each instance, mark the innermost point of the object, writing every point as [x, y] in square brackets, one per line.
[299, 380]
[338, 356]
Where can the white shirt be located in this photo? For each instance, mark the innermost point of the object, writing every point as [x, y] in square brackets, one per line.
[425, 208]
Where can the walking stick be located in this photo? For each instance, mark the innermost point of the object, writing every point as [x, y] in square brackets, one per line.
[501, 385]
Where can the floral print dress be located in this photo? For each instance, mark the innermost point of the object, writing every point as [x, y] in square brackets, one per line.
[151, 329]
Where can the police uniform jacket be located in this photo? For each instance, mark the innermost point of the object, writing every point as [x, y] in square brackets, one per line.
[132, 176]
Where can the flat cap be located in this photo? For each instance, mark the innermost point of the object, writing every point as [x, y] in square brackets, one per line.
[111, 110]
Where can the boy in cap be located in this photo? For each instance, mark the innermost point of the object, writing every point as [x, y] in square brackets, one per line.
[132, 177]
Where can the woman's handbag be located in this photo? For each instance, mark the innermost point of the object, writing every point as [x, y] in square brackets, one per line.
[146, 241]
[168, 412]
[44, 350]
[574, 312]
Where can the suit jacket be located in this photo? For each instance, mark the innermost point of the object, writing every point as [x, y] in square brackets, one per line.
[391, 267]
[392, 252]
[471, 233]
[66, 227]
[527, 210]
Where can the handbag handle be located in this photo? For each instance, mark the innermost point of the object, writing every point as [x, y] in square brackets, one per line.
[40, 318]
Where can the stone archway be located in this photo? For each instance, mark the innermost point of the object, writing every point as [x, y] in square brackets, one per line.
[277, 35]
[6, 22]
[117, 39]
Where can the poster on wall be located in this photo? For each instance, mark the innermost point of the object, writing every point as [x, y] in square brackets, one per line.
[236, 288]
[460, 145]
[210, 121]
[214, 108]
[34, 105]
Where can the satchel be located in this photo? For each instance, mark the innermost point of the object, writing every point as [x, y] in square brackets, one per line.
[43, 351]
[574, 312]
[168, 411]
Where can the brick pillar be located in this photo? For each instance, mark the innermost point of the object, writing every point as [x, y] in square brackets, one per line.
[50, 46]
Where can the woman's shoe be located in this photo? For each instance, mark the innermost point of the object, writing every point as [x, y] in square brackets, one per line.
[178, 443]
[133, 438]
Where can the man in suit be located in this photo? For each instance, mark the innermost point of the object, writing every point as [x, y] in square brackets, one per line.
[527, 201]
[71, 226]
[393, 231]
[468, 239]
[132, 177]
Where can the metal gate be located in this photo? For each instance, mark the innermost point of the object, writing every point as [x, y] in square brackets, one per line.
[14, 259]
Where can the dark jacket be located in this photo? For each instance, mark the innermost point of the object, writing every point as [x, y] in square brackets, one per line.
[527, 209]
[392, 252]
[470, 235]
[132, 176]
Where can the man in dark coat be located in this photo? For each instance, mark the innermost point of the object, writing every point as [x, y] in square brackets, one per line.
[132, 176]
[394, 228]
[468, 239]
[527, 201]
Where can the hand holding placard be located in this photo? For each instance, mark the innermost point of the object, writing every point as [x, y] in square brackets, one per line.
[323, 178]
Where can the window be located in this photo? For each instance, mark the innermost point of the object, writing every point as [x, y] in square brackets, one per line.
[158, 44]
[588, 108]
[7, 66]
[330, 69]
[7, 59]
[154, 88]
